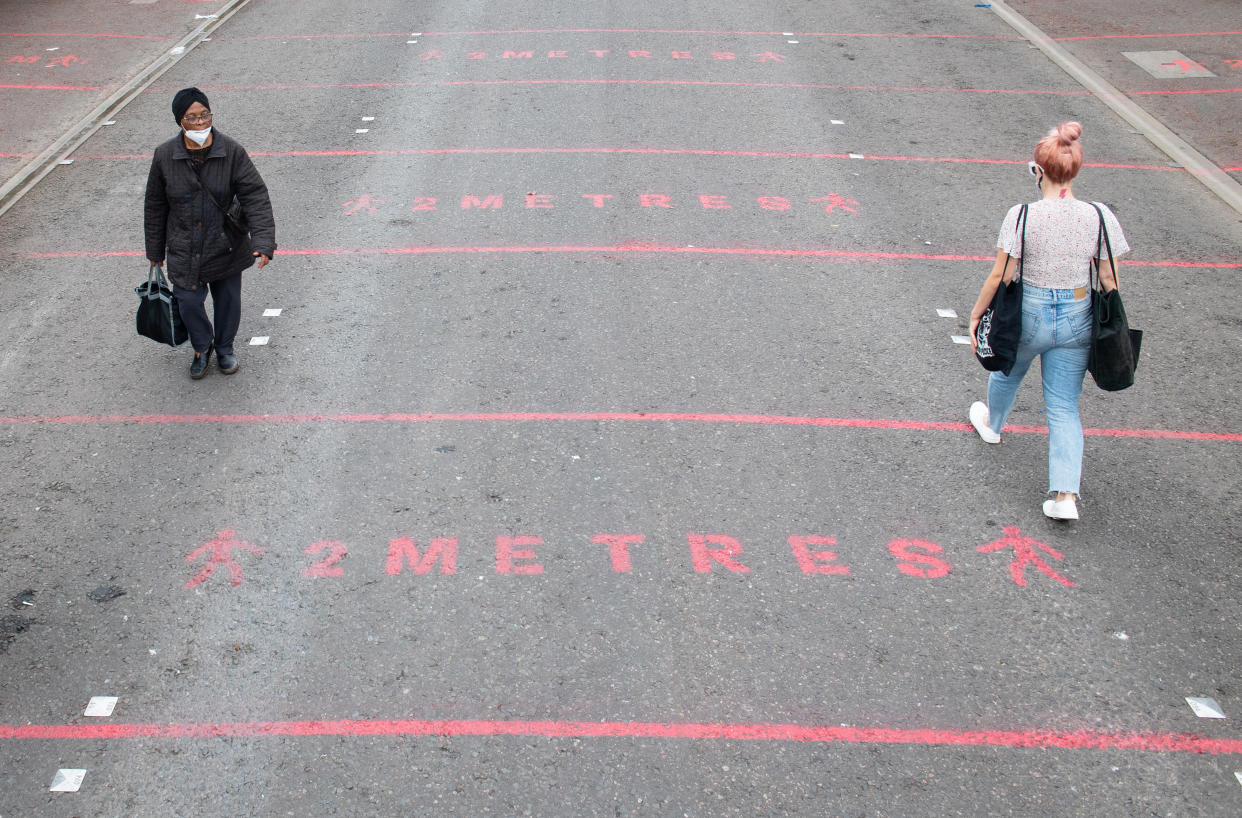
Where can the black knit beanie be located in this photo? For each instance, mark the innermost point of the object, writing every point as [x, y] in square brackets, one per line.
[184, 99]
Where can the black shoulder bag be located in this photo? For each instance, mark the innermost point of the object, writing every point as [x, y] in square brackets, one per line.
[1000, 328]
[1114, 346]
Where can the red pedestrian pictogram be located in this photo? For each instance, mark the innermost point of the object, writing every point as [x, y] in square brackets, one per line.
[1185, 65]
[1026, 552]
[65, 61]
[219, 551]
[836, 200]
[366, 201]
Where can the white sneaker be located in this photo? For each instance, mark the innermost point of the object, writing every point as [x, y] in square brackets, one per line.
[1065, 509]
[979, 419]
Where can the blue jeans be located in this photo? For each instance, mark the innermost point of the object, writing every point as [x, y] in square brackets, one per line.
[1058, 329]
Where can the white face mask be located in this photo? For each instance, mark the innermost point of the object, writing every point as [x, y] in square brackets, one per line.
[199, 136]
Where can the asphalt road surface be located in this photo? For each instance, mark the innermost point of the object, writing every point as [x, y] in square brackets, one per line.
[608, 453]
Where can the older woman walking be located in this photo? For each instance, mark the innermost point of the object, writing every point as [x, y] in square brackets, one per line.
[194, 179]
[1060, 244]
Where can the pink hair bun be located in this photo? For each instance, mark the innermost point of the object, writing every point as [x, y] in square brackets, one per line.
[1060, 153]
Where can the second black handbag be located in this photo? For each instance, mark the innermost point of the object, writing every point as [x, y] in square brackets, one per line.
[1114, 346]
[1000, 328]
[159, 318]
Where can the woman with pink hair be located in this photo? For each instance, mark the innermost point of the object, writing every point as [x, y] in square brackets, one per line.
[1057, 247]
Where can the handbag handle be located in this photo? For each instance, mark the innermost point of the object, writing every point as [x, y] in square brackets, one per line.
[1102, 239]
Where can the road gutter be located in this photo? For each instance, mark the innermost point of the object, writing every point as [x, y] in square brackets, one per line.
[1176, 148]
[22, 182]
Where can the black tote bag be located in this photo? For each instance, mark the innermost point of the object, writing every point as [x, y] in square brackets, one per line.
[158, 315]
[1000, 328]
[1114, 346]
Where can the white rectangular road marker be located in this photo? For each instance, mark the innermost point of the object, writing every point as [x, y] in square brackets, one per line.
[946, 313]
[273, 313]
[101, 706]
[1167, 65]
[67, 781]
[259, 340]
[961, 339]
[1238, 775]
[362, 130]
[1205, 707]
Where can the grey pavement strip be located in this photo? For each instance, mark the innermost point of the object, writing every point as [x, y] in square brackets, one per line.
[1180, 151]
[22, 182]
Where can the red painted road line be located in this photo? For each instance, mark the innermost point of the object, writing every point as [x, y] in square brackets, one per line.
[628, 249]
[424, 34]
[82, 34]
[821, 734]
[12, 86]
[1196, 91]
[596, 417]
[1146, 36]
[632, 151]
[697, 83]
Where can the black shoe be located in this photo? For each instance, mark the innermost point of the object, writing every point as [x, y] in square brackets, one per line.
[227, 362]
[198, 367]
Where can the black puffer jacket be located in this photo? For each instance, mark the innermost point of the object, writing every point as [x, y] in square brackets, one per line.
[185, 224]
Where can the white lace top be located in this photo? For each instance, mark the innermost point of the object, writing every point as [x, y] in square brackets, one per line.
[1060, 241]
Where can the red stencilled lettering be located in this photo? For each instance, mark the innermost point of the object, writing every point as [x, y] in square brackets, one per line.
[640, 54]
[1234, 63]
[599, 53]
[836, 200]
[682, 55]
[326, 567]
[403, 550]
[816, 562]
[703, 556]
[815, 555]
[219, 551]
[539, 200]
[774, 203]
[767, 56]
[919, 552]
[65, 61]
[1025, 552]
[597, 198]
[723, 55]
[517, 55]
[619, 549]
[506, 553]
[711, 202]
[477, 55]
[428, 56]
[424, 203]
[558, 55]
[656, 200]
[24, 59]
[490, 203]
[365, 202]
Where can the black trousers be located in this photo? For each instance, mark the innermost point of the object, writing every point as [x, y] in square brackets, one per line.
[226, 305]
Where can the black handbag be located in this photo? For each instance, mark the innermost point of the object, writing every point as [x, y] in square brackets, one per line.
[1114, 346]
[235, 222]
[158, 315]
[1000, 328]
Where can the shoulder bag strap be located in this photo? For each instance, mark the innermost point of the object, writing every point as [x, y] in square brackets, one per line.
[1020, 227]
[1102, 239]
